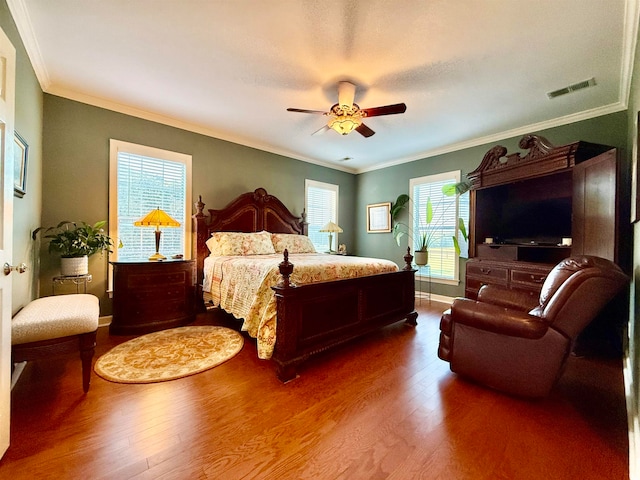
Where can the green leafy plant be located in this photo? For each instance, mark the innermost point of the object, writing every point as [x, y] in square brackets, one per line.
[425, 237]
[71, 239]
[457, 189]
[423, 240]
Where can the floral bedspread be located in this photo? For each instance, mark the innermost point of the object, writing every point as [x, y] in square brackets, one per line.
[241, 285]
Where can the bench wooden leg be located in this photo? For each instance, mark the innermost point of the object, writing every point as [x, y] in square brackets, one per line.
[87, 350]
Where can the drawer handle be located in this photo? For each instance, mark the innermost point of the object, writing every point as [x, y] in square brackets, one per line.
[537, 278]
[486, 271]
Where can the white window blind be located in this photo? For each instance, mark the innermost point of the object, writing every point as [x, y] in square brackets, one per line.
[443, 260]
[144, 179]
[321, 205]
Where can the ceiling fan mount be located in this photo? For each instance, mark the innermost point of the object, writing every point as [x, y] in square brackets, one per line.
[346, 116]
[338, 110]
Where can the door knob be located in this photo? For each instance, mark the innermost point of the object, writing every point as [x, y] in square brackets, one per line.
[7, 269]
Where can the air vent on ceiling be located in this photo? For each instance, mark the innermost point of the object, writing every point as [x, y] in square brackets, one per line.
[572, 88]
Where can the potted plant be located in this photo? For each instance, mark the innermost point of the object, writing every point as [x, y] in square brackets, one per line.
[425, 236]
[420, 240]
[76, 242]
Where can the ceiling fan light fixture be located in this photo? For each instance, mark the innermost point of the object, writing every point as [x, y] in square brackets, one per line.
[345, 124]
[346, 116]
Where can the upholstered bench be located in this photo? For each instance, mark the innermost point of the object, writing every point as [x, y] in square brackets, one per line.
[49, 326]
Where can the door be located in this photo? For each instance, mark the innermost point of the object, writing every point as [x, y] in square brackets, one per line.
[594, 226]
[7, 98]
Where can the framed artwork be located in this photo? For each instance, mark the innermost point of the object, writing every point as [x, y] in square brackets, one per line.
[20, 159]
[379, 217]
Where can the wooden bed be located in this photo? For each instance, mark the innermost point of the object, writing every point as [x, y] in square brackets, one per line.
[312, 317]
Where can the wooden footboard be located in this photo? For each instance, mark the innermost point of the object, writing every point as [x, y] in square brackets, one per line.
[313, 317]
[318, 316]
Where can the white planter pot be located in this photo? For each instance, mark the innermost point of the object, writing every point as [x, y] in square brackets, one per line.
[421, 258]
[70, 267]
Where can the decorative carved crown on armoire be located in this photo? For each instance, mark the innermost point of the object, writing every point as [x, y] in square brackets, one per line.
[529, 211]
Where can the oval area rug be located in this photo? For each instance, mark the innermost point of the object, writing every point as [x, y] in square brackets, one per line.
[169, 354]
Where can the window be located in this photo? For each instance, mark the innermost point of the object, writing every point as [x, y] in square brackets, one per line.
[443, 261]
[142, 179]
[321, 205]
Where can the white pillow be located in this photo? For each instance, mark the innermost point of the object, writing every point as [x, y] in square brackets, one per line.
[224, 244]
[292, 242]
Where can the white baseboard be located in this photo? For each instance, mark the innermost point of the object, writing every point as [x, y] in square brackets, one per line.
[633, 421]
[634, 444]
[434, 297]
[104, 321]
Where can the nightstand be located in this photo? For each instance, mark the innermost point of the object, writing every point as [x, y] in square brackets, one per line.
[151, 296]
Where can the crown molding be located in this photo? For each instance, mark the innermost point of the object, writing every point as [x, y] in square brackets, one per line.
[21, 17]
[177, 123]
[629, 45]
[531, 128]
[23, 22]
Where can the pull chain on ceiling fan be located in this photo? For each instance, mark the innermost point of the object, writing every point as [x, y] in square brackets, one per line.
[346, 116]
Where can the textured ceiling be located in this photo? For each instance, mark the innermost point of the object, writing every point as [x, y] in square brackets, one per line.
[469, 71]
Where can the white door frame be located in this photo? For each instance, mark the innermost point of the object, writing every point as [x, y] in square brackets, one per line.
[7, 109]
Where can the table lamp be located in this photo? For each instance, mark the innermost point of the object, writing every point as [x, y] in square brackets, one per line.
[157, 218]
[331, 228]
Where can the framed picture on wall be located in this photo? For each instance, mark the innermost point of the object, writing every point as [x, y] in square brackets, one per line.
[635, 171]
[379, 217]
[20, 159]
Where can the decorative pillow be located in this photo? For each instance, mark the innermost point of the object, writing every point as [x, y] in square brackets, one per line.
[292, 242]
[236, 243]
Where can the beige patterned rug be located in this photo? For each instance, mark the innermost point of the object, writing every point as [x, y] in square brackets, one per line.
[169, 354]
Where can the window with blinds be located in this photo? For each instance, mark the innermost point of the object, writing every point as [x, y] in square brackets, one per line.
[321, 205]
[443, 260]
[143, 179]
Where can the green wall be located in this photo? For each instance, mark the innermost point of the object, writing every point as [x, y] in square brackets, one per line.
[76, 146]
[26, 210]
[76, 173]
[386, 184]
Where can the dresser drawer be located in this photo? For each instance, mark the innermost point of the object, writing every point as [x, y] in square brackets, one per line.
[523, 276]
[154, 279]
[472, 286]
[492, 272]
[167, 292]
[498, 252]
[154, 312]
[151, 296]
[534, 279]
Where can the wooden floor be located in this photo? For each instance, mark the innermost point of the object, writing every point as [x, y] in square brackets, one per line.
[382, 407]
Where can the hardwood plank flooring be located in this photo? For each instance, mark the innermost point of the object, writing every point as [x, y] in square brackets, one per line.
[383, 407]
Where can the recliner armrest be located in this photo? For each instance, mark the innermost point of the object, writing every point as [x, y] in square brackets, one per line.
[504, 297]
[496, 319]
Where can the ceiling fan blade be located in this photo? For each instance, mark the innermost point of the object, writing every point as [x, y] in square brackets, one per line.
[346, 93]
[386, 110]
[300, 110]
[321, 131]
[365, 131]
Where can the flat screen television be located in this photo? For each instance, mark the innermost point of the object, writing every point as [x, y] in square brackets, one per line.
[541, 221]
[534, 211]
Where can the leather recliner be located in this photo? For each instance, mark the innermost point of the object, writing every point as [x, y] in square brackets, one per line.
[509, 343]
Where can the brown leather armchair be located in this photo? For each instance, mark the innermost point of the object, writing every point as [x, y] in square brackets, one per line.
[507, 342]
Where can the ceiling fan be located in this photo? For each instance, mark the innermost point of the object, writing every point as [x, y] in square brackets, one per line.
[346, 116]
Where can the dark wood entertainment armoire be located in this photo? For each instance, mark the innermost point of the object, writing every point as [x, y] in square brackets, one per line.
[525, 207]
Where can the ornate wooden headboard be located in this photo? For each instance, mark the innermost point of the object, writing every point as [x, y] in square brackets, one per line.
[250, 212]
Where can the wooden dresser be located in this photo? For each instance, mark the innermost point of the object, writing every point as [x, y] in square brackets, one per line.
[530, 211]
[524, 276]
[151, 296]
